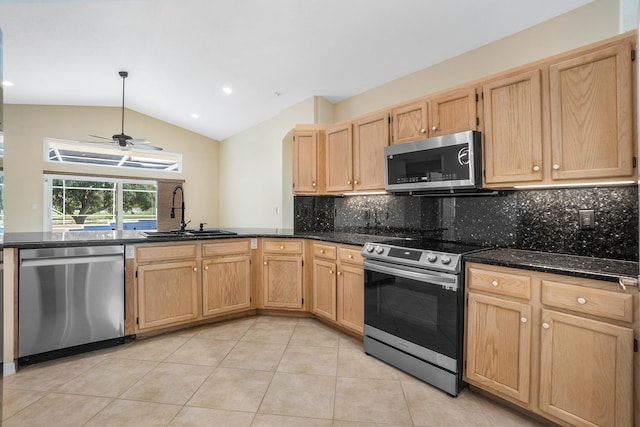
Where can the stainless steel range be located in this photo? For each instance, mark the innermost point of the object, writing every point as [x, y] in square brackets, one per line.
[413, 308]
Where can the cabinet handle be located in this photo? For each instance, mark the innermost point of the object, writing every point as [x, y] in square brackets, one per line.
[494, 283]
[556, 167]
[423, 131]
[581, 300]
[265, 263]
[434, 128]
[545, 325]
[536, 168]
[523, 319]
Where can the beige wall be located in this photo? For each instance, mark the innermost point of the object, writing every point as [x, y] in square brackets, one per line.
[585, 25]
[255, 171]
[27, 125]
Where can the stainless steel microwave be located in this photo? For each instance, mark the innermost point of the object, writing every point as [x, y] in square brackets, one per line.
[448, 162]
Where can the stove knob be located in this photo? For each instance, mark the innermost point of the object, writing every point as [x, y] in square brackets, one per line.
[432, 258]
[445, 260]
[379, 249]
[369, 248]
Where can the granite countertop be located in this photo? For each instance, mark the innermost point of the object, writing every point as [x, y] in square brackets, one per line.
[580, 266]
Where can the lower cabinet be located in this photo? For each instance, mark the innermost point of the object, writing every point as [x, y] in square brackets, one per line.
[282, 284]
[338, 285]
[226, 277]
[559, 346]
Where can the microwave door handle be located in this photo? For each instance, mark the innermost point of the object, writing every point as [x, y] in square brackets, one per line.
[420, 276]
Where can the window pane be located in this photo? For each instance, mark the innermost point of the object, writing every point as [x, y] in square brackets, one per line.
[83, 205]
[139, 208]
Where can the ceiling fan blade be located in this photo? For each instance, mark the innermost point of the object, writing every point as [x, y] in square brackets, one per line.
[148, 147]
[102, 137]
[138, 141]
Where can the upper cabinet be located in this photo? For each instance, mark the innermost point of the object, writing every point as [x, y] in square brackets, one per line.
[339, 159]
[308, 156]
[591, 115]
[450, 112]
[513, 128]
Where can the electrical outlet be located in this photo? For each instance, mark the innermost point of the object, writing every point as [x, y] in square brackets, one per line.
[587, 219]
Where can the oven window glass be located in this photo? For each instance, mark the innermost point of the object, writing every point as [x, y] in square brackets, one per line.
[422, 313]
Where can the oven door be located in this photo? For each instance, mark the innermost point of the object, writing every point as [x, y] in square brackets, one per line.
[414, 310]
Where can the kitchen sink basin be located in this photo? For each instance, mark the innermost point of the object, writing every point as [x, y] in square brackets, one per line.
[178, 233]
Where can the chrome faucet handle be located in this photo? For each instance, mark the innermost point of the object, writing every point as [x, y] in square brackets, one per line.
[202, 224]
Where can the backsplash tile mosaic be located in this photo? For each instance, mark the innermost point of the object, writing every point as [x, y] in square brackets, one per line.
[543, 220]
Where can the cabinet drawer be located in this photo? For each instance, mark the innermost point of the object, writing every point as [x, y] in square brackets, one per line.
[502, 283]
[164, 253]
[350, 255]
[597, 302]
[282, 246]
[230, 247]
[324, 251]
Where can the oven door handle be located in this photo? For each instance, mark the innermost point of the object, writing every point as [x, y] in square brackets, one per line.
[432, 277]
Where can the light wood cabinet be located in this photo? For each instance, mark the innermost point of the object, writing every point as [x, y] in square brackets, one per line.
[450, 112]
[308, 161]
[592, 115]
[559, 346]
[499, 345]
[338, 285]
[167, 293]
[586, 369]
[226, 277]
[513, 128]
[370, 136]
[282, 274]
[339, 159]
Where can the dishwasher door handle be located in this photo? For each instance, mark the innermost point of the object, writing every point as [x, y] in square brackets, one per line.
[37, 262]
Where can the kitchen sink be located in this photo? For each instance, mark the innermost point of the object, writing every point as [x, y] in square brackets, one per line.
[193, 232]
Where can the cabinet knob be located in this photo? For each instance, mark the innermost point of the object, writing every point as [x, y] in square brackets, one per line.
[556, 167]
[523, 319]
[423, 131]
[355, 182]
[313, 184]
[434, 128]
[206, 268]
[195, 268]
[281, 247]
[349, 256]
[265, 263]
[536, 168]
[330, 271]
[348, 182]
[339, 273]
[494, 283]
[581, 300]
[545, 325]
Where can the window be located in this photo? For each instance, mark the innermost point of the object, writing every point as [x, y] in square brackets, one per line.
[1, 202]
[59, 151]
[81, 203]
[1, 142]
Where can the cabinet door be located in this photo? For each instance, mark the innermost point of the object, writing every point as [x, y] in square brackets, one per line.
[282, 281]
[499, 345]
[591, 115]
[351, 297]
[305, 162]
[410, 122]
[339, 160]
[453, 112]
[226, 284]
[586, 369]
[370, 136]
[513, 129]
[167, 293]
[324, 289]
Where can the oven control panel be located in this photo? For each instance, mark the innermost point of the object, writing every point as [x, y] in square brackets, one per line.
[421, 258]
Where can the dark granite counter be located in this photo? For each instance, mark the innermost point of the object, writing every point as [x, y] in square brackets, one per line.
[579, 266]
[128, 237]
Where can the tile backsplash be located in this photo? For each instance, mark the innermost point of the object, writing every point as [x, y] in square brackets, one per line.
[543, 220]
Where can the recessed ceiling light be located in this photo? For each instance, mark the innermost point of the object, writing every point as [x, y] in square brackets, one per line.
[227, 90]
[195, 116]
[6, 83]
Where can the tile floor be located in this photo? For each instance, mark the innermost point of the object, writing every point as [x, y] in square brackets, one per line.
[258, 371]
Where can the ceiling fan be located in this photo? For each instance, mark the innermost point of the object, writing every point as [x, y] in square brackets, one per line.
[125, 141]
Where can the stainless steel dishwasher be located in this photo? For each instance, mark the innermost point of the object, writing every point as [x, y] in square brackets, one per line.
[69, 297]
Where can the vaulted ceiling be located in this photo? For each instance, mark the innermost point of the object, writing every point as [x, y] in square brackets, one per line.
[180, 54]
